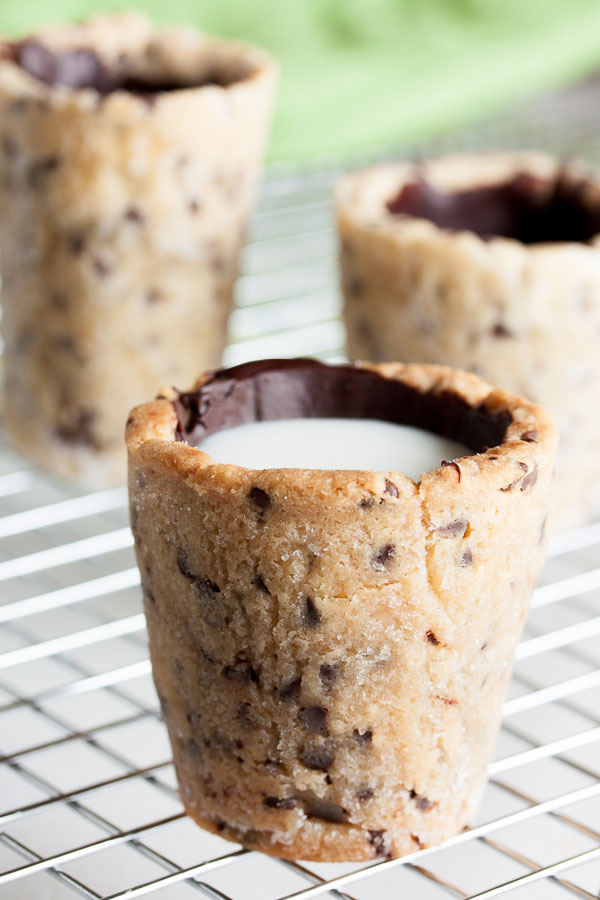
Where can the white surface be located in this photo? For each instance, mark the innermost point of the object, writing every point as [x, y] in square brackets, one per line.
[332, 444]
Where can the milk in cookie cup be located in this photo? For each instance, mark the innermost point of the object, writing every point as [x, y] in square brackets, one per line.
[490, 263]
[129, 164]
[331, 647]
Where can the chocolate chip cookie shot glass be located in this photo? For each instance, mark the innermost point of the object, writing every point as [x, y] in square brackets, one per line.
[129, 160]
[489, 263]
[332, 647]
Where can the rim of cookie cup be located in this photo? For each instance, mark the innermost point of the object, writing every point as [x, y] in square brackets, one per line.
[361, 197]
[129, 45]
[512, 465]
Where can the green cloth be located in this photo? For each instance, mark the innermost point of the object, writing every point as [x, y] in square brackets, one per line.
[359, 74]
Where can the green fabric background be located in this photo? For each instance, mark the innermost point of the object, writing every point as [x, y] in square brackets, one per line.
[363, 73]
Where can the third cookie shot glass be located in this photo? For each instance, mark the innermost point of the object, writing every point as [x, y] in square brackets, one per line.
[333, 610]
[129, 160]
[489, 263]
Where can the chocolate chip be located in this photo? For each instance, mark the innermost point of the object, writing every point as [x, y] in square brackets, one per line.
[530, 479]
[455, 465]
[42, 168]
[319, 758]
[74, 67]
[390, 488]
[526, 481]
[531, 437]
[205, 587]
[241, 671]
[367, 503]
[193, 718]
[483, 646]
[135, 215]
[19, 106]
[212, 609]
[178, 668]
[354, 286]
[193, 206]
[10, 146]
[148, 594]
[76, 243]
[281, 802]
[311, 615]
[260, 498]
[320, 808]
[218, 262]
[194, 749]
[183, 566]
[203, 653]
[23, 341]
[501, 331]
[383, 557]
[466, 559]
[101, 266]
[259, 582]
[453, 528]
[291, 690]
[513, 484]
[364, 794]
[365, 738]
[314, 719]
[432, 638]
[80, 429]
[421, 802]
[244, 716]
[220, 742]
[65, 343]
[328, 673]
[153, 295]
[379, 843]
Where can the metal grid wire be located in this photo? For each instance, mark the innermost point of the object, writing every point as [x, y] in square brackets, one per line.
[88, 803]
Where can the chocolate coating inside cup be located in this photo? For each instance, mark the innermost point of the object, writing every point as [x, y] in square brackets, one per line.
[267, 390]
[82, 68]
[528, 209]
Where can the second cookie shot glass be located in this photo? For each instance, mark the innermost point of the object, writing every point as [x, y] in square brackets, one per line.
[129, 162]
[490, 263]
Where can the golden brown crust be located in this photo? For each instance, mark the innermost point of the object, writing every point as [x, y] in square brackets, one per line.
[332, 648]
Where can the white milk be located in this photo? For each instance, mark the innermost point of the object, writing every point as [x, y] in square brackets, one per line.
[332, 444]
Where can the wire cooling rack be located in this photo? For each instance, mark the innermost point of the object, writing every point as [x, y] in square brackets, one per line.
[88, 802]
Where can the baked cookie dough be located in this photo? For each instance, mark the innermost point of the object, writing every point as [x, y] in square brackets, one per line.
[490, 263]
[331, 649]
[129, 159]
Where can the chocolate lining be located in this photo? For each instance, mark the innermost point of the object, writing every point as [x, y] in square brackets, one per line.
[528, 209]
[82, 68]
[267, 390]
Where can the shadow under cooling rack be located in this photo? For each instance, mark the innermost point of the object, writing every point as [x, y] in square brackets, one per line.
[88, 805]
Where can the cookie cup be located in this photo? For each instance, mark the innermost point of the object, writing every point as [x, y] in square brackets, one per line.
[331, 649]
[124, 198]
[523, 314]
